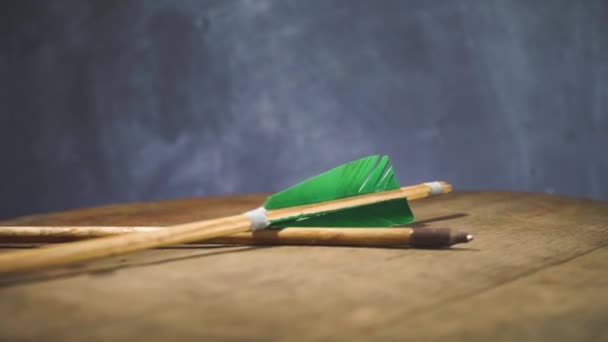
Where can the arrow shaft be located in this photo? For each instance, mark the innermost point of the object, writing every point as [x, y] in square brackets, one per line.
[57, 255]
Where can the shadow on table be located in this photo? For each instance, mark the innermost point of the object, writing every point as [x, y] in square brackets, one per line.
[110, 265]
[423, 223]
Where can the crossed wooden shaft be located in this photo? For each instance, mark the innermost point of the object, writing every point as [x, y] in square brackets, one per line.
[116, 244]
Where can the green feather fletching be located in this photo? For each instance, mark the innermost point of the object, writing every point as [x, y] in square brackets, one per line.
[359, 177]
[382, 214]
[364, 176]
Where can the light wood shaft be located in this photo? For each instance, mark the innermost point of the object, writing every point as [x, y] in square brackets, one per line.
[411, 193]
[62, 254]
[28, 260]
[321, 236]
[286, 236]
[28, 234]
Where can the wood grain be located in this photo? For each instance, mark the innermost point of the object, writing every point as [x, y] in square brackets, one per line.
[536, 272]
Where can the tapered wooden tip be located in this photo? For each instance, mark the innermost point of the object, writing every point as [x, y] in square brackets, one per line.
[460, 237]
[437, 238]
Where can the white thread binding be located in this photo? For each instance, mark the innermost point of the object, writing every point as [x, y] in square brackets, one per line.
[258, 218]
[436, 188]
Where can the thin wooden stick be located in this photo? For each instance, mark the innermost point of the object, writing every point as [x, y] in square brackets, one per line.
[29, 260]
[50, 234]
[374, 237]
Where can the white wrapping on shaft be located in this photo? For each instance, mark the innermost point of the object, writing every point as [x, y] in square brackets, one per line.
[436, 188]
[258, 218]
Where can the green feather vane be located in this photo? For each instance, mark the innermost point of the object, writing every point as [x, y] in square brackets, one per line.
[364, 176]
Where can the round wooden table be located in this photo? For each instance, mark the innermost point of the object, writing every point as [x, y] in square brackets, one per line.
[537, 270]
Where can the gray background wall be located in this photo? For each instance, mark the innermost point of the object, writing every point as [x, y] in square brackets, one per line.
[113, 101]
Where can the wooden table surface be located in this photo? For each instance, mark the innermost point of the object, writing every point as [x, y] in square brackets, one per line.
[536, 271]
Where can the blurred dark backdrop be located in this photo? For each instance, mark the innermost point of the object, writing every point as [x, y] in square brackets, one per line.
[112, 101]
